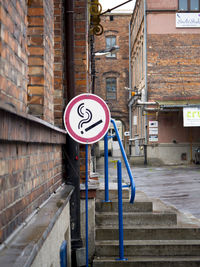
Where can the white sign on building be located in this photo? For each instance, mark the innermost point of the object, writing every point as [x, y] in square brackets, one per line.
[153, 124]
[187, 20]
[153, 131]
[153, 138]
[191, 117]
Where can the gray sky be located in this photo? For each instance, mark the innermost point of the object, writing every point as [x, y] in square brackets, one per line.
[112, 3]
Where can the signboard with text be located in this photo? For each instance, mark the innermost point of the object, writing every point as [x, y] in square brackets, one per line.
[191, 117]
[187, 20]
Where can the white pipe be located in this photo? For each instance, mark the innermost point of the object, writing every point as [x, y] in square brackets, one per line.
[139, 102]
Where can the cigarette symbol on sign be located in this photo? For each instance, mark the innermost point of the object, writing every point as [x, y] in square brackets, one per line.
[86, 114]
[93, 125]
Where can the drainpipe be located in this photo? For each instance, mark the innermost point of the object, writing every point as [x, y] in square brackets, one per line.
[130, 86]
[145, 92]
[72, 147]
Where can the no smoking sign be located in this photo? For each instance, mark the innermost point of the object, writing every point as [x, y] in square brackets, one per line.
[87, 118]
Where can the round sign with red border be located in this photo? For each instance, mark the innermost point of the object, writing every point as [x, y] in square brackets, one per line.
[87, 118]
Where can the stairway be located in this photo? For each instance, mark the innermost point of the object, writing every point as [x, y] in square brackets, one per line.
[155, 235]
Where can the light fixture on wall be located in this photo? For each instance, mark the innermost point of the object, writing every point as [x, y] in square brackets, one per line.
[106, 51]
[134, 91]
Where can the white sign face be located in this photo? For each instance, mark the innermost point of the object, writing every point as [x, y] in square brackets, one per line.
[191, 117]
[126, 133]
[87, 118]
[134, 120]
[187, 20]
[153, 138]
[153, 124]
[153, 131]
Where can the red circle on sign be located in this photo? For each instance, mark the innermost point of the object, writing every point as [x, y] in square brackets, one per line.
[71, 112]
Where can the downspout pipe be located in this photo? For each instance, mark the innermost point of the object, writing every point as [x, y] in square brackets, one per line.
[130, 85]
[146, 84]
[72, 148]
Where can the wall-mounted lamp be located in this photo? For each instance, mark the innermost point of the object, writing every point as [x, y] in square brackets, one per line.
[107, 51]
[134, 91]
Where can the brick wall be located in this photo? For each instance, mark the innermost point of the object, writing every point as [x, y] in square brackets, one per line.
[114, 67]
[31, 168]
[30, 174]
[31, 160]
[59, 68]
[173, 67]
[13, 54]
[80, 62]
[41, 58]
[80, 46]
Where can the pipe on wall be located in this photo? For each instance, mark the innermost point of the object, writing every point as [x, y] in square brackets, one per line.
[146, 84]
[130, 86]
[72, 148]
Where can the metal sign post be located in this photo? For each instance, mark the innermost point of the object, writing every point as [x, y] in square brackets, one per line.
[87, 119]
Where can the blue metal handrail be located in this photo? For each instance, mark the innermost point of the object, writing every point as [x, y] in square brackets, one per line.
[120, 212]
[132, 183]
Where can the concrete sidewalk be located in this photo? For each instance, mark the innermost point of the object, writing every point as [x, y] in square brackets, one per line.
[175, 185]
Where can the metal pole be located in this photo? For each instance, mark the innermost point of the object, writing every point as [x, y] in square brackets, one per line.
[63, 254]
[106, 167]
[130, 86]
[120, 211]
[146, 83]
[86, 201]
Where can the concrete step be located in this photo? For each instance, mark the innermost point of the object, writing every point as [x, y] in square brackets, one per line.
[136, 218]
[148, 262]
[145, 206]
[148, 233]
[113, 193]
[149, 248]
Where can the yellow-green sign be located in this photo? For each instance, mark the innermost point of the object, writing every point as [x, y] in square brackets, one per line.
[191, 117]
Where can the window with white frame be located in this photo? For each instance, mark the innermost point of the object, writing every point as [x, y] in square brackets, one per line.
[110, 42]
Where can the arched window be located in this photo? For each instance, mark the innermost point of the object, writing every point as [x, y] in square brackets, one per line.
[111, 88]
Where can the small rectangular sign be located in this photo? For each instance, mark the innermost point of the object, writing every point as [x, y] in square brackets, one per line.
[187, 20]
[153, 124]
[134, 120]
[153, 138]
[191, 117]
[126, 133]
[153, 131]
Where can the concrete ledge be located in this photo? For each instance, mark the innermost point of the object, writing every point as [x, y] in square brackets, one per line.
[27, 242]
[22, 127]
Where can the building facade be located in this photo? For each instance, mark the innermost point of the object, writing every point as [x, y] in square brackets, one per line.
[112, 69]
[165, 80]
[44, 64]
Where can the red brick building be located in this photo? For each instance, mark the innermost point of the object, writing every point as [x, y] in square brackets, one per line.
[112, 70]
[165, 70]
[44, 63]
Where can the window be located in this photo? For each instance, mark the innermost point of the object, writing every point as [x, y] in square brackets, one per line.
[111, 18]
[111, 85]
[194, 5]
[110, 42]
[189, 5]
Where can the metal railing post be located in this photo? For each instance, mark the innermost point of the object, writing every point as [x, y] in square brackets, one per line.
[132, 183]
[63, 254]
[86, 202]
[106, 167]
[120, 212]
